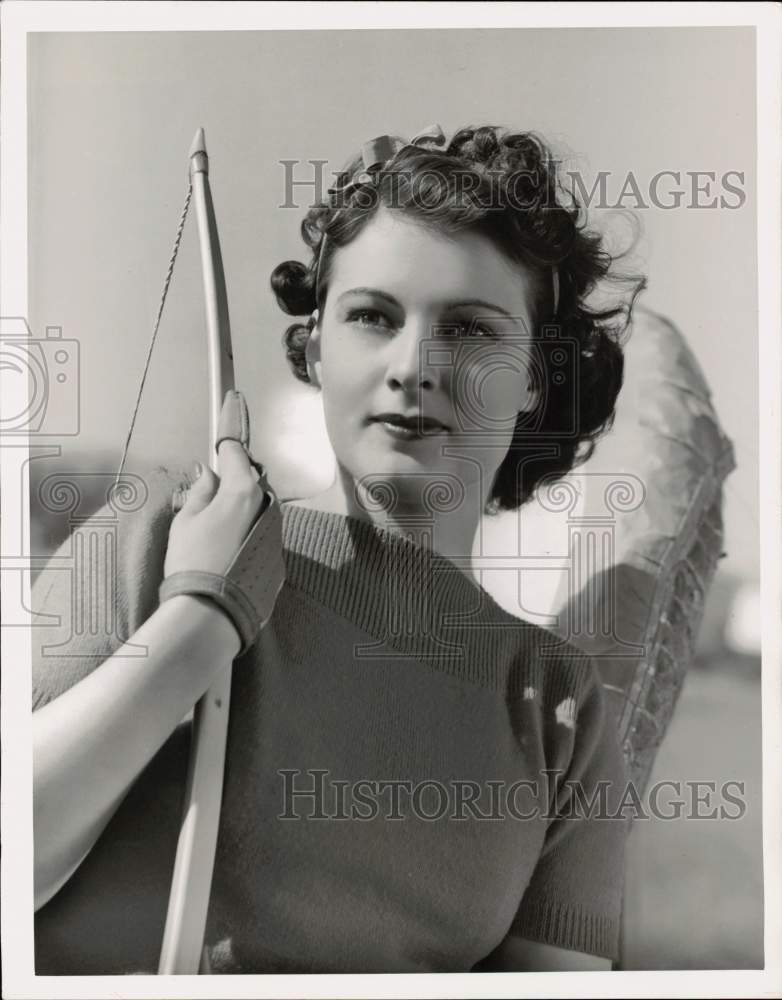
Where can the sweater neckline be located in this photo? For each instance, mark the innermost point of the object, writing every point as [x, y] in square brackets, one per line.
[410, 599]
[366, 536]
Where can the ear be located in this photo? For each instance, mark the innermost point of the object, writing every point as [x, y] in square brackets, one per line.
[312, 352]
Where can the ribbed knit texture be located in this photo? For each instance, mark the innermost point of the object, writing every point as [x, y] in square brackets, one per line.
[417, 602]
[382, 662]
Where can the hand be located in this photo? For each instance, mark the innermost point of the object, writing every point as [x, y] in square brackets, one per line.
[208, 531]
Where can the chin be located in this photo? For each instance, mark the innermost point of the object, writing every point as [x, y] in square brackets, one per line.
[408, 484]
[377, 461]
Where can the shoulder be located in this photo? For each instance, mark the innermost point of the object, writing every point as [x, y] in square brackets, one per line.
[140, 514]
[541, 660]
[102, 581]
[554, 686]
[145, 496]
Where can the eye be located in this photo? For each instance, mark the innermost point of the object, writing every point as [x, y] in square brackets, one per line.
[472, 329]
[367, 317]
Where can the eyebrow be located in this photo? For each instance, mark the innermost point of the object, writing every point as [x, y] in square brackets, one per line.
[456, 304]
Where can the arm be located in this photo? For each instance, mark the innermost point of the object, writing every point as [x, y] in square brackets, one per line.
[104, 712]
[93, 741]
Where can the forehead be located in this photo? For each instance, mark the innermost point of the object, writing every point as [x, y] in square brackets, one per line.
[421, 266]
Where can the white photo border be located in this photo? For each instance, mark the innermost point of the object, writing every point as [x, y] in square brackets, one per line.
[20, 19]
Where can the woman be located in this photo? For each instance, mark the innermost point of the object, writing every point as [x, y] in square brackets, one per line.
[404, 757]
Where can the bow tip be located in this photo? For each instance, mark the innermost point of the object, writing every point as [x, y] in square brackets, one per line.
[199, 143]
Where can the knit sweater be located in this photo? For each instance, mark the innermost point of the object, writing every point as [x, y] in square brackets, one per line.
[403, 762]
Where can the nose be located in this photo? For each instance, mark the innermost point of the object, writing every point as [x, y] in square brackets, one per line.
[409, 364]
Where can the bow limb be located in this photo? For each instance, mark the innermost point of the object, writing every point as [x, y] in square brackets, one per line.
[188, 903]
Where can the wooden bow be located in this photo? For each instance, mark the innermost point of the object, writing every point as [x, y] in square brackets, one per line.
[183, 950]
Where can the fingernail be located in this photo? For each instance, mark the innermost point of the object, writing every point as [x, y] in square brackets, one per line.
[197, 470]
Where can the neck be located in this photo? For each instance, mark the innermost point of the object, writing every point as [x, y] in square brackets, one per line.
[449, 533]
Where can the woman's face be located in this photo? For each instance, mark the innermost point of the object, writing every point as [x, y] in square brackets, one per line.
[422, 355]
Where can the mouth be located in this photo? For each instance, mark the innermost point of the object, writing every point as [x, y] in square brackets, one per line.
[413, 425]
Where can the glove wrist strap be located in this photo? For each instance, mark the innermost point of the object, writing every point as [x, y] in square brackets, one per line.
[248, 590]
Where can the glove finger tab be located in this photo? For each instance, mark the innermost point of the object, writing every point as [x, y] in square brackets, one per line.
[234, 422]
[236, 474]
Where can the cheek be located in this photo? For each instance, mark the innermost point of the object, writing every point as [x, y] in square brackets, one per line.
[345, 382]
[490, 393]
[338, 370]
[346, 357]
[352, 363]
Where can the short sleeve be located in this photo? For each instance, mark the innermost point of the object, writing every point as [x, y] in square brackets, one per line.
[574, 897]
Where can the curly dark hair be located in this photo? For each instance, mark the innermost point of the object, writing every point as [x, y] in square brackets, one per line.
[506, 186]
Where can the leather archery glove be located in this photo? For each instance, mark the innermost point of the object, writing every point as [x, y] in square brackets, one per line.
[225, 542]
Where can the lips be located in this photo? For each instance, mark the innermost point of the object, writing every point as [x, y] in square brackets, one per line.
[412, 422]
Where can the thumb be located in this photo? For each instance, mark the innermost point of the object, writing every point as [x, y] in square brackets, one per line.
[202, 490]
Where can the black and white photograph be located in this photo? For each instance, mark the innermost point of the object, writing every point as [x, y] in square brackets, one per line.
[391, 494]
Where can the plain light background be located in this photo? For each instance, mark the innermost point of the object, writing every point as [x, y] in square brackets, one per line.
[112, 116]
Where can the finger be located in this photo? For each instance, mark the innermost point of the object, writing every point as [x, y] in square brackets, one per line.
[201, 491]
[234, 468]
[234, 419]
